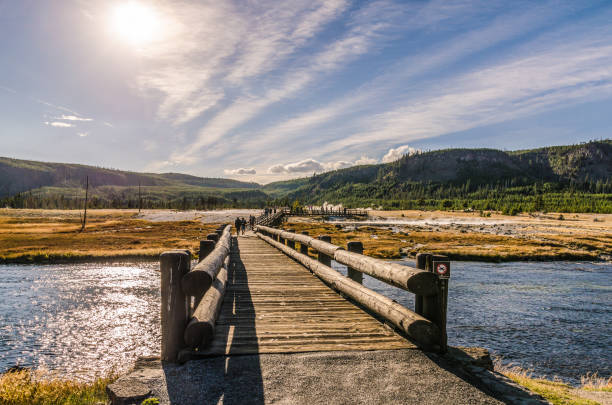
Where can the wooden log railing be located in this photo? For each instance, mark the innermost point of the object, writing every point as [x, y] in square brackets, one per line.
[426, 326]
[182, 324]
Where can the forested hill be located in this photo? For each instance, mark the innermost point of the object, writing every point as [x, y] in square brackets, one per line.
[479, 178]
[560, 178]
[22, 175]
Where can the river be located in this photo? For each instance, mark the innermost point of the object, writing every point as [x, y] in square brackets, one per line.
[86, 319]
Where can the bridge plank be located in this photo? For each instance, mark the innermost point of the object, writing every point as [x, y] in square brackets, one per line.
[274, 305]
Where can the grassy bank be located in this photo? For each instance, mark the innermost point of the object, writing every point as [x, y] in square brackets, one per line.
[24, 386]
[45, 236]
[593, 390]
[461, 244]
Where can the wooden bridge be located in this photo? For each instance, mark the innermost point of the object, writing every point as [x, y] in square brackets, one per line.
[267, 293]
[277, 216]
[272, 322]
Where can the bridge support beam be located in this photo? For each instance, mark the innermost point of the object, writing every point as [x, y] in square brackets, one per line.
[356, 247]
[322, 257]
[174, 264]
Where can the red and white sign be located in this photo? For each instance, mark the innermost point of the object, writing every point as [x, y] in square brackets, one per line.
[442, 269]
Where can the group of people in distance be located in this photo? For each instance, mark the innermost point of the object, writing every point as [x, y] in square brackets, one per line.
[241, 223]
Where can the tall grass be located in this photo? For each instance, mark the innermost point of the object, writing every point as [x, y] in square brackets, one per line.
[25, 386]
[555, 391]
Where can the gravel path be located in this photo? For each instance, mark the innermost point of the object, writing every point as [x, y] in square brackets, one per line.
[361, 377]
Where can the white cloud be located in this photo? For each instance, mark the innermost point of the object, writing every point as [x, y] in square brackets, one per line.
[240, 171]
[394, 154]
[364, 160]
[59, 124]
[306, 165]
[72, 118]
[312, 165]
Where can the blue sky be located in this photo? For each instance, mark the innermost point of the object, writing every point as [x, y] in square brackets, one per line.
[269, 90]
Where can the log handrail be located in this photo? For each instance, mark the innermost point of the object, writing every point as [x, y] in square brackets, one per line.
[206, 282]
[200, 278]
[410, 279]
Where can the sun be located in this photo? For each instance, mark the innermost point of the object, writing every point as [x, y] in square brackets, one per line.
[135, 23]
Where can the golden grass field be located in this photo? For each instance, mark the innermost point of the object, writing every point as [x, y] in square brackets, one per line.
[53, 236]
[501, 238]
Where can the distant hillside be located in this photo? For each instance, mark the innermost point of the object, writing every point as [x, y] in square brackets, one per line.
[62, 185]
[559, 178]
[424, 180]
[21, 175]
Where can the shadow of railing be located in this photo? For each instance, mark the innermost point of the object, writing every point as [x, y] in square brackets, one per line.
[236, 377]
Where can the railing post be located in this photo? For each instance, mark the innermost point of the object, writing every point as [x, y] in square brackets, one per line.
[441, 267]
[356, 247]
[303, 247]
[206, 246]
[281, 240]
[421, 264]
[321, 257]
[213, 236]
[174, 265]
[291, 243]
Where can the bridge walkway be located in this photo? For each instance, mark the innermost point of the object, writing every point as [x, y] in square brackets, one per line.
[274, 305]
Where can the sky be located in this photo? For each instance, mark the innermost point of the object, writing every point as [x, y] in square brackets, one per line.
[270, 90]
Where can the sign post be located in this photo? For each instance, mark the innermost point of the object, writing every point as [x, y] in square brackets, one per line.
[441, 267]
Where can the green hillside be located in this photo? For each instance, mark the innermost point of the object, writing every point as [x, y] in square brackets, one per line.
[574, 178]
[562, 178]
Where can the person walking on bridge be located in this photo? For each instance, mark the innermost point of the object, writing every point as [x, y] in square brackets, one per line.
[237, 224]
[242, 225]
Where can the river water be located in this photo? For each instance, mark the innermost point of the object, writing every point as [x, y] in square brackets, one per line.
[86, 319]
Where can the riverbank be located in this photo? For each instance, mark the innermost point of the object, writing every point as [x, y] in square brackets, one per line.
[470, 236]
[53, 236]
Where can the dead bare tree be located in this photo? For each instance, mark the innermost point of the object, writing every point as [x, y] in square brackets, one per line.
[84, 218]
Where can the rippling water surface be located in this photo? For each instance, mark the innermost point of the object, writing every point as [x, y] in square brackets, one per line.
[554, 318]
[78, 319]
[85, 319]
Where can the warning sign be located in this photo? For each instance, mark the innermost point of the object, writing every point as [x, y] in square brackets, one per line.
[442, 269]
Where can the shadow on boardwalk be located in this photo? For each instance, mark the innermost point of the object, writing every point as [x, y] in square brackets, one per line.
[226, 379]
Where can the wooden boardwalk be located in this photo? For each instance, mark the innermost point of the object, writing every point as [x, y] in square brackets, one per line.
[274, 305]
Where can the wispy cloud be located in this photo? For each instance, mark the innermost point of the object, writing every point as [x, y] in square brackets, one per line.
[72, 118]
[59, 124]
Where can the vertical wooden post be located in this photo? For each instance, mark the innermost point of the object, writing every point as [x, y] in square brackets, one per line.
[281, 239]
[291, 243]
[421, 264]
[213, 236]
[303, 247]
[206, 246]
[174, 265]
[323, 258]
[356, 247]
[430, 303]
[441, 267]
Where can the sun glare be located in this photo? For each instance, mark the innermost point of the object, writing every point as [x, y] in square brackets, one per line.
[135, 23]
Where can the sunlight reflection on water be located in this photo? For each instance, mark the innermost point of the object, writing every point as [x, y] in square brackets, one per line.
[80, 319]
